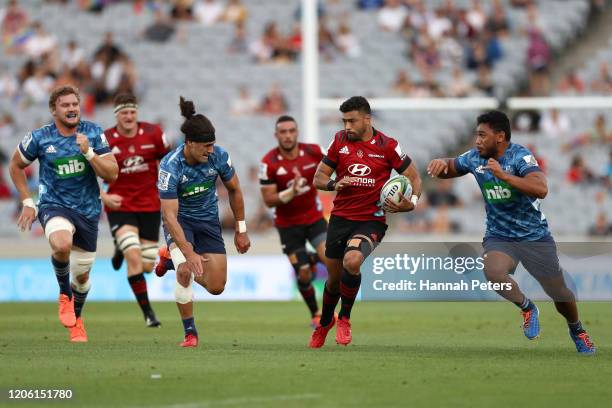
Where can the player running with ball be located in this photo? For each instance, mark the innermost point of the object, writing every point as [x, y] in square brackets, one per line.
[186, 185]
[71, 153]
[363, 159]
[512, 185]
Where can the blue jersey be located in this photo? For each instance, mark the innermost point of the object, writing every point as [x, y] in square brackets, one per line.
[194, 186]
[66, 178]
[510, 213]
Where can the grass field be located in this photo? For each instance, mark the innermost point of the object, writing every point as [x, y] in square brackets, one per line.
[255, 354]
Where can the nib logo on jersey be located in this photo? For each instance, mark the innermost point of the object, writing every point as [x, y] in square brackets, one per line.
[359, 172]
[73, 166]
[195, 190]
[497, 193]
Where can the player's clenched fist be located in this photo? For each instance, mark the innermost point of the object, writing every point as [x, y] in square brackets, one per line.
[83, 142]
[242, 242]
[342, 183]
[437, 167]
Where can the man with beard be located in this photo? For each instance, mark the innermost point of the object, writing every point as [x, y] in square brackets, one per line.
[362, 158]
[512, 186]
[132, 202]
[71, 153]
[286, 174]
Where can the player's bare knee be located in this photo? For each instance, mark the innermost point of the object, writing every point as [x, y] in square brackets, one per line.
[61, 246]
[216, 289]
[134, 260]
[352, 262]
[184, 276]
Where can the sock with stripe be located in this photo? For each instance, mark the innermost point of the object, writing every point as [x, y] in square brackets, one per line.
[62, 273]
[330, 300]
[308, 293]
[349, 286]
[138, 284]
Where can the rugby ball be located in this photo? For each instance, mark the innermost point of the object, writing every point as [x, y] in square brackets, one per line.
[395, 187]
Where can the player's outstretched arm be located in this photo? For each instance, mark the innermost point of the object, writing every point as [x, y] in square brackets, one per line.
[241, 238]
[443, 168]
[169, 210]
[323, 180]
[28, 213]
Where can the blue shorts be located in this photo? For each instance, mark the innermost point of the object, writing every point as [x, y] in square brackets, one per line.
[85, 230]
[205, 236]
[538, 257]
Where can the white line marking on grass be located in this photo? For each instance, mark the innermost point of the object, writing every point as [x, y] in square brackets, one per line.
[243, 400]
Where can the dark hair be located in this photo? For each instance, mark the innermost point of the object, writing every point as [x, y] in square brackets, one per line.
[62, 91]
[285, 118]
[356, 103]
[196, 127]
[497, 120]
[125, 98]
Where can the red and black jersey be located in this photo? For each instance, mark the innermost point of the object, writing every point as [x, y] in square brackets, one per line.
[305, 208]
[369, 164]
[138, 159]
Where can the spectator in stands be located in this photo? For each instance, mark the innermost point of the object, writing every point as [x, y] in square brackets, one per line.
[578, 173]
[72, 55]
[245, 104]
[327, 43]
[238, 44]
[555, 124]
[476, 16]
[602, 227]
[439, 24]
[600, 134]
[571, 83]
[274, 102]
[498, 22]
[484, 82]
[208, 12]
[93, 6]
[403, 85]
[162, 28]
[40, 43]
[108, 51]
[603, 84]
[235, 12]
[7, 134]
[36, 88]
[459, 87]
[8, 84]
[347, 42]
[264, 48]
[14, 27]
[443, 195]
[182, 9]
[392, 16]
[538, 58]
[370, 4]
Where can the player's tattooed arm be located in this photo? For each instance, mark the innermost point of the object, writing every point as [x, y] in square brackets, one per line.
[323, 180]
[443, 168]
[169, 210]
[104, 166]
[28, 212]
[533, 184]
[241, 238]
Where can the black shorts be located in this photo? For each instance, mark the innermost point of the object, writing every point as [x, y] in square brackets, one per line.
[294, 238]
[147, 223]
[341, 230]
[538, 257]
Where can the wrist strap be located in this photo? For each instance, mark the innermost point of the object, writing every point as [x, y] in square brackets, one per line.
[89, 154]
[242, 227]
[331, 185]
[29, 202]
[414, 200]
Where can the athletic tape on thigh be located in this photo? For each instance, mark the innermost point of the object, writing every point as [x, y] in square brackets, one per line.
[80, 264]
[149, 252]
[366, 245]
[181, 294]
[58, 224]
[128, 241]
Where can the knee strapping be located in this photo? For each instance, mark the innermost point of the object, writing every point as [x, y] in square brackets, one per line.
[301, 260]
[80, 264]
[149, 252]
[58, 224]
[366, 245]
[183, 294]
[128, 241]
